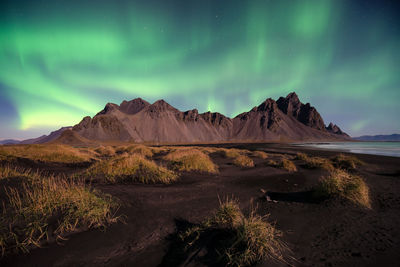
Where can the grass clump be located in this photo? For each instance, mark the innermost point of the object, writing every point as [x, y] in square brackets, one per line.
[260, 154]
[243, 161]
[283, 164]
[301, 156]
[8, 172]
[50, 208]
[315, 162]
[227, 215]
[208, 150]
[142, 150]
[230, 152]
[342, 184]
[159, 150]
[346, 162]
[46, 153]
[287, 165]
[318, 163]
[233, 239]
[130, 168]
[190, 160]
[105, 151]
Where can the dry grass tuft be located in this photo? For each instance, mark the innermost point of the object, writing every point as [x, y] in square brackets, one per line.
[130, 168]
[159, 150]
[287, 165]
[208, 150]
[46, 153]
[228, 214]
[141, 150]
[301, 156]
[283, 164]
[315, 162]
[260, 154]
[243, 161]
[190, 160]
[230, 153]
[239, 240]
[105, 151]
[346, 162]
[342, 184]
[319, 163]
[11, 172]
[47, 208]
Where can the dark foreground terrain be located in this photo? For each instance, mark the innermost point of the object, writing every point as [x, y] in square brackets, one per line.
[319, 233]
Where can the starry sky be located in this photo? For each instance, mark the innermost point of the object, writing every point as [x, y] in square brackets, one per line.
[63, 60]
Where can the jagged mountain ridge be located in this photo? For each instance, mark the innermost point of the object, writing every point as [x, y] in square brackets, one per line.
[140, 121]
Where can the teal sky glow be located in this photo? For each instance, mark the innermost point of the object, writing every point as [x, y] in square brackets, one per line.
[63, 60]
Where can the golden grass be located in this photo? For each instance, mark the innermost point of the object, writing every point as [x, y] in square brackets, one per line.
[260, 154]
[208, 150]
[342, 184]
[159, 150]
[190, 160]
[130, 168]
[319, 163]
[230, 153]
[46, 153]
[283, 164]
[227, 215]
[47, 208]
[243, 161]
[105, 151]
[346, 162]
[240, 240]
[287, 165]
[315, 162]
[301, 156]
[142, 150]
[10, 172]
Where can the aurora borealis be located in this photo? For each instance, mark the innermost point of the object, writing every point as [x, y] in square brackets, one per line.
[63, 60]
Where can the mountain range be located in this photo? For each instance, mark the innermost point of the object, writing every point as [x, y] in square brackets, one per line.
[381, 137]
[286, 119]
[9, 142]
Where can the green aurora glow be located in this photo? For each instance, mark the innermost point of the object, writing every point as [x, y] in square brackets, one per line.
[63, 60]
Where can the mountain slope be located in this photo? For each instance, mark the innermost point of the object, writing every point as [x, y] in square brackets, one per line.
[70, 137]
[139, 121]
[46, 138]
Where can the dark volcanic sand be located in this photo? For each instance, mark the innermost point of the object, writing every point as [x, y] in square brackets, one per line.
[320, 234]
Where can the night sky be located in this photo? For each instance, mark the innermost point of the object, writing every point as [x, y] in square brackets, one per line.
[63, 60]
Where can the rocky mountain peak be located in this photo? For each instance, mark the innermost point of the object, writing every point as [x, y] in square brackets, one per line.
[268, 105]
[160, 107]
[216, 118]
[134, 106]
[162, 104]
[293, 97]
[333, 128]
[108, 109]
[190, 115]
[290, 105]
[305, 113]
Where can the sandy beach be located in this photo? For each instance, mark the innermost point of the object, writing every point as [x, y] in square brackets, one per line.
[327, 233]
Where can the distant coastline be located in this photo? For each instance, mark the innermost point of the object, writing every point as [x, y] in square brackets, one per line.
[380, 148]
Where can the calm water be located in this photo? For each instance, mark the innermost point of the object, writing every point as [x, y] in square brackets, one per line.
[375, 148]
